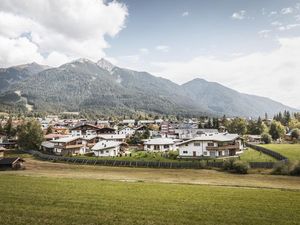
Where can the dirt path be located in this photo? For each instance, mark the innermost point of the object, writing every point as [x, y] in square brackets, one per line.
[205, 177]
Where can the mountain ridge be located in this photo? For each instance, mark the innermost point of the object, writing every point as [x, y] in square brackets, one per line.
[83, 85]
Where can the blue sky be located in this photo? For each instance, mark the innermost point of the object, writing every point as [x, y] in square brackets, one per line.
[251, 46]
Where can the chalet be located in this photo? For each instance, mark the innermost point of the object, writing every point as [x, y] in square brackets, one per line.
[69, 146]
[128, 123]
[159, 144]
[11, 163]
[84, 129]
[106, 130]
[190, 133]
[211, 145]
[50, 137]
[106, 148]
[127, 131]
[9, 143]
[113, 137]
[89, 142]
[254, 138]
[47, 146]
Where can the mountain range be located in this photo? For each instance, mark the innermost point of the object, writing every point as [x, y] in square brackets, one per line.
[101, 87]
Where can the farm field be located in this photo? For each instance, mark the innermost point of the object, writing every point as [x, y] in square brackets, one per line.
[291, 151]
[251, 155]
[45, 200]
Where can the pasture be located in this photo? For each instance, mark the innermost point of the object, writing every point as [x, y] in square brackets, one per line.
[52, 200]
[291, 151]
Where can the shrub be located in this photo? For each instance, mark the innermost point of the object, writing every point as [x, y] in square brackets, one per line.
[280, 168]
[240, 167]
[295, 169]
[236, 166]
[202, 164]
[173, 154]
[266, 138]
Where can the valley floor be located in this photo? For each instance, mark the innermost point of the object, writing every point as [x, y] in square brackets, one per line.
[56, 193]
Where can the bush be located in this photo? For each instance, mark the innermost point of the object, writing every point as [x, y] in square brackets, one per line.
[266, 138]
[295, 169]
[287, 168]
[173, 154]
[236, 166]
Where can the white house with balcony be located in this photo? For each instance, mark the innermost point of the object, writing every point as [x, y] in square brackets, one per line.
[160, 144]
[211, 145]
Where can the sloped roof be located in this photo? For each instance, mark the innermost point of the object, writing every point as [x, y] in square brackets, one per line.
[221, 137]
[105, 145]
[160, 141]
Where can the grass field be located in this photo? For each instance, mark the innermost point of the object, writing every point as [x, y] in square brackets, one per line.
[44, 200]
[291, 151]
[251, 155]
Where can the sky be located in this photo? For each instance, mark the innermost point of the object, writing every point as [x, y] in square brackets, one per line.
[250, 46]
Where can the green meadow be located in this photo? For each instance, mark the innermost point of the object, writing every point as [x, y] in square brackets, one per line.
[291, 151]
[45, 200]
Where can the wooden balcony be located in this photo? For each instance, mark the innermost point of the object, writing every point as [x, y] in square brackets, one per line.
[222, 148]
[68, 146]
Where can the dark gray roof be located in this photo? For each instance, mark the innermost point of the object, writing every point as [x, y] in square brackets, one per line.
[9, 161]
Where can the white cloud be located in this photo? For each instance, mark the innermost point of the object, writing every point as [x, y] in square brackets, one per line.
[297, 17]
[162, 48]
[276, 23]
[272, 13]
[274, 74]
[239, 15]
[288, 10]
[65, 29]
[186, 13]
[144, 51]
[264, 33]
[288, 27]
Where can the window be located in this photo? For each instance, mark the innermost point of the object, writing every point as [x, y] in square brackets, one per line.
[185, 152]
[197, 144]
[166, 146]
[204, 153]
[186, 144]
[211, 144]
[107, 151]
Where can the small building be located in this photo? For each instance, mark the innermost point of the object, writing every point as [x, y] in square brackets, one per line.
[68, 146]
[160, 144]
[211, 145]
[127, 131]
[84, 129]
[113, 137]
[107, 148]
[254, 138]
[11, 163]
[47, 146]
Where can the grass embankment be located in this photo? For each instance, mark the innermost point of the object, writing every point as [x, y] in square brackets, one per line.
[291, 151]
[251, 155]
[36, 200]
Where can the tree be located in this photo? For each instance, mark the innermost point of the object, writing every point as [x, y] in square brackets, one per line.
[30, 135]
[238, 125]
[295, 133]
[49, 130]
[9, 129]
[277, 130]
[266, 138]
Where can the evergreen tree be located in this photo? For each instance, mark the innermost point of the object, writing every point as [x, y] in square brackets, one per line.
[277, 130]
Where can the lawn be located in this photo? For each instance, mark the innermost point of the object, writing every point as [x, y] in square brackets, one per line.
[44, 200]
[251, 155]
[291, 151]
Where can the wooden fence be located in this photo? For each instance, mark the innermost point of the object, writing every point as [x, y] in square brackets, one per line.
[147, 164]
[266, 151]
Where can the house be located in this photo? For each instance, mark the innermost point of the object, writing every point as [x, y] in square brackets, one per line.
[107, 148]
[106, 130]
[11, 163]
[145, 122]
[113, 137]
[254, 138]
[128, 123]
[166, 128]
[127, 131]
[159, 144]
[84, 129]
[47, 146]
[68, 146]
[211, 145]
[89, 142]
[50, 137]
[190, 133]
